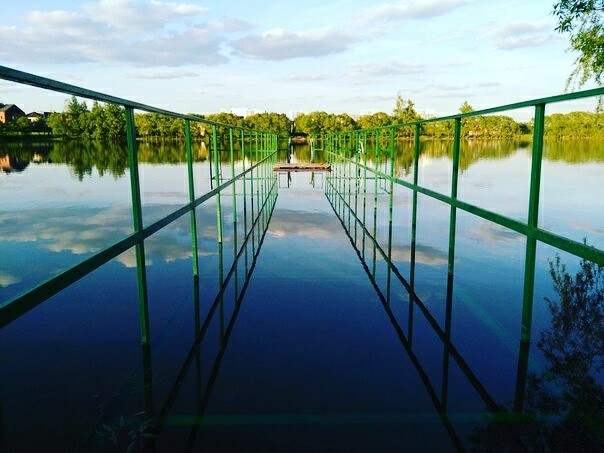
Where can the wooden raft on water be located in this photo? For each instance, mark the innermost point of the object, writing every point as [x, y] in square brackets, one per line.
[302, 166]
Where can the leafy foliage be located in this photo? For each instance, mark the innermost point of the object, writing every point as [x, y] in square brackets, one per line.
[564, 401]
[277, 123]
[584, 21]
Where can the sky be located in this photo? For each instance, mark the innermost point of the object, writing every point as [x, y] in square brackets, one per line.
[283, 56]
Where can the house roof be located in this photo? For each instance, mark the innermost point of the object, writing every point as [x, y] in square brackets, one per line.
[6, 107]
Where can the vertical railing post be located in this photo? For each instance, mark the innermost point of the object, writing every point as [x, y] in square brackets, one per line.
[416, 151]
[191, 197]
[529, 263]
[232, 151]
[137, 217]
[451, 258]
[141, 270]
[454, 186]
[244, 183]
[375, 196]
[364, 191]
[235, 229]
[390, 215]
[217, 179]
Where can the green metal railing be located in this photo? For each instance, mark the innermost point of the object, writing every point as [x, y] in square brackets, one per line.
[351, 214]
[260, 147]
[349, 154]
[223, 309]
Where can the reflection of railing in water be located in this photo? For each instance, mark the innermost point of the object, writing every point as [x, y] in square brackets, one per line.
[260, 147]
[246, 253]
[352, 222]
[359, 154]
[349, 148]
[261, 150]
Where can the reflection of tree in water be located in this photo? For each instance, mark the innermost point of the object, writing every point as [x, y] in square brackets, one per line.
[574, 350]
[564, 404]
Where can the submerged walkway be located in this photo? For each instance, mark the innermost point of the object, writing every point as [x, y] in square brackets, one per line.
[313, 361]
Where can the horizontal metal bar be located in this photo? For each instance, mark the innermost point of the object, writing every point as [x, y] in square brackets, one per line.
[23, 303]
[503, 108]
[25, 78]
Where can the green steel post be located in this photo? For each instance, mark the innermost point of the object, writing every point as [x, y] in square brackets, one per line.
[454, 185]
[390, 214]
[232, 150]
[191, 197]
[451, 258]
[252, 193]
[221, 300]
[244, 182]
[531, 253]
[137, 218]
[356, 183]
[376, 158]
[364, 190]
[416, 151]
[217, 176]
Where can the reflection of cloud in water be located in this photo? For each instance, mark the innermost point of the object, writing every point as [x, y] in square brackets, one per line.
[423, 255]
[585, 227]
[310, 224]
[491, 232]
[78, 231]
[149, 198]
[7, 279]
[82, 231]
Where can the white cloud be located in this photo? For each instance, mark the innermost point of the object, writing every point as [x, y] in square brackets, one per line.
[491, 232]
[423, 254]
[163, 75]
[306, 77]
[7, 279]
[141, 17]
[280, 44]
[385, 68]
[120, 31]
[406, 9]
[370, 98]
[515, 35]
[315, 225]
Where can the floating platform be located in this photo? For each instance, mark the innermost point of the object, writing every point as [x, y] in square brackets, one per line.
[302, 166]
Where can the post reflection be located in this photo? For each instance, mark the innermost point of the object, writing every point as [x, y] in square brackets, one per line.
[148, 425]
[245, 251]
[558, 407]
[343, 211]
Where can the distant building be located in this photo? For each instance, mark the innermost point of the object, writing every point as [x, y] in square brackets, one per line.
[35, 116]
[10, 112]
[10, 164]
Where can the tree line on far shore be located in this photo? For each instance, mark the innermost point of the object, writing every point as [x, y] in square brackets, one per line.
[107, 122]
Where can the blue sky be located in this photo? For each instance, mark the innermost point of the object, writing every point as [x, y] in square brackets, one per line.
[336, 56]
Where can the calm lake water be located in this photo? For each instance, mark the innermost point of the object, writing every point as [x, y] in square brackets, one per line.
[298, 335]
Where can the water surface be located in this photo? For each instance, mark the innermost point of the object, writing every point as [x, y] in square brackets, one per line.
[300, 332]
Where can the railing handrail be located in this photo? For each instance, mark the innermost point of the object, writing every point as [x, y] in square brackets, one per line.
[502, 108]
[14, 75]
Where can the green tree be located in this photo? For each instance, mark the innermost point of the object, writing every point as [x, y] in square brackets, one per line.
[465, 108]
[379, 119]
[114, 119]
[277, 123]
[23, 125]
[404, 112]
[583, 20]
